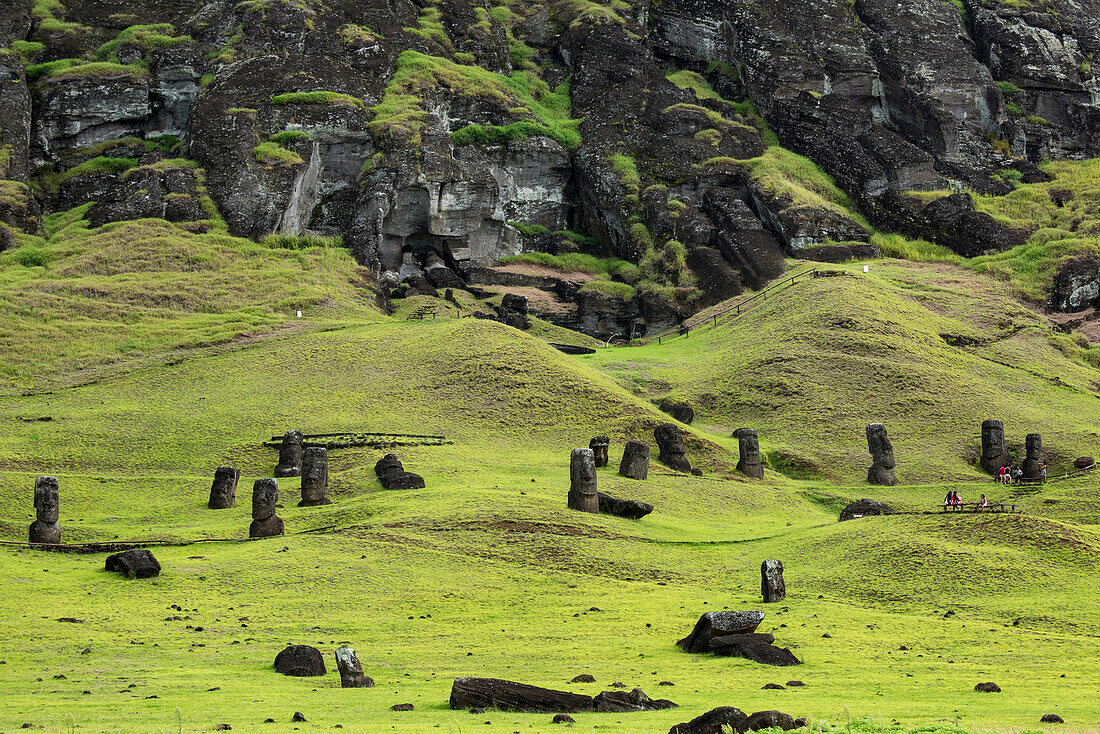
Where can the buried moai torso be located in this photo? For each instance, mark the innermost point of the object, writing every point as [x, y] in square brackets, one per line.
[223, 492]
[599, 446]
[994, 455]
[635, 463]
[315, 477]
[47, 506]
[265, 497]
[671, 443]
[882, 466]
[772, 586]
[748, 449]
[290, 455]
[1033, 464]
[582, 482]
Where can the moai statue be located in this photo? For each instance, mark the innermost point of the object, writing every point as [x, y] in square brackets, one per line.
[772, 586]
[290, 455]
[223, 492]
[882, 456]
[47, 507]
[599, 446]
[582, 482]
[1033, 464]
[635, 463]
[748, 449]
[265, 523]
[314, 477]
[351, 670]
[994, 455]
[671, 443]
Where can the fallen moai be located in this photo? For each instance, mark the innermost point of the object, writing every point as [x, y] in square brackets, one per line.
[392, 475]
[733, 633]
[138, 563]
[630, 509]
[728, 718]
[300, 661]
[479, 693]
[863, 508]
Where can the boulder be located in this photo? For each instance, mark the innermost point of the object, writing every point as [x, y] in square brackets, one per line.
[515, 304]
[583, 678]
[772, 587]
[630, 509]
[755, 647]
[718, 624]
[563, 719]
[134, 564]
[715, 721]
[635, 463]
[635, 700]
[1052, 719]
[351, 670]
[468, 693]
[444, 278]
[1083, 462]
[865, 507]
[301, 661]
[767, 720]
[988, 687]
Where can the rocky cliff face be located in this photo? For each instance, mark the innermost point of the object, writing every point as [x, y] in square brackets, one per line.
[442, 133]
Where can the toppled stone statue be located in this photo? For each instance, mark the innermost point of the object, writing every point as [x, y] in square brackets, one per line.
[290, 455]
[1083, 462]
[314, 477]
[994, 455]
[514, 303]
[882, 466]
[636, 700]
[863, 508]
[720, 624]
[630, 509]
[772, 586]
[302, 661]
[635, 463]
[470, 693]
[223, 492]
[680, 411]
[134, 564]
[599, 446]
[582, 481]
[47, 508]
[1033, 464]
[392, 475]
[673, 451]
[757, 647]
[351, 670]
[265, 496]
[748, 449]
[715, 721]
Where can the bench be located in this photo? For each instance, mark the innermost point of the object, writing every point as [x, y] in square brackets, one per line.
[974, 507]
[422, 313]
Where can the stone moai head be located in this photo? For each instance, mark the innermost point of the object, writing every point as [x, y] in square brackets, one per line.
[47, 502]
[878, 443]
[314, 474]
[265, 495]
[669, 439]
[582, 470]
[290, 455]
[635, 463]
[748, 445]
[223, 492]
[599, 446]
[993, 439]
[1033, 445]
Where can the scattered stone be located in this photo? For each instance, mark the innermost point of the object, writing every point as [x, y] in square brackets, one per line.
[47, 508]
[134, 564]
[599, 446]
[314, 477]
[223, 492]
[298, 716]
[801, 722]
[712, 722]
[583, 496]
[864, 508]
[392, 475]
[757, 647]
[467, 693]
[563, 719]
[994, 455]
[666, 683]
[1033, 463]
[514, 303]
[583, 678]
[618, 684]
[301, 661]
[223, 727]
[401, 707]
[269, 721]
[1052, 719]
[772, 586]
[1083, 462]
[630, 509]
[290, 455]
[795, 684]
[772, 687]
[680, 411]
[635, 700]
[635, 463]
[827, 636]
[767, 720]
[720, 624]
[988, 687]
[881, 471]
[265, 496]
[748, 450]
[351, 670]
[670, 440]
[480, 710]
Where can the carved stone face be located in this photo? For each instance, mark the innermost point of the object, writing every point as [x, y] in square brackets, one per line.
[670, 439]
[582, 470]
[993, 438]
[223, 492]
[748, 445]
[265, 495]
[878, 443]
[314, 473]
[1034, 446]
[47, 502]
